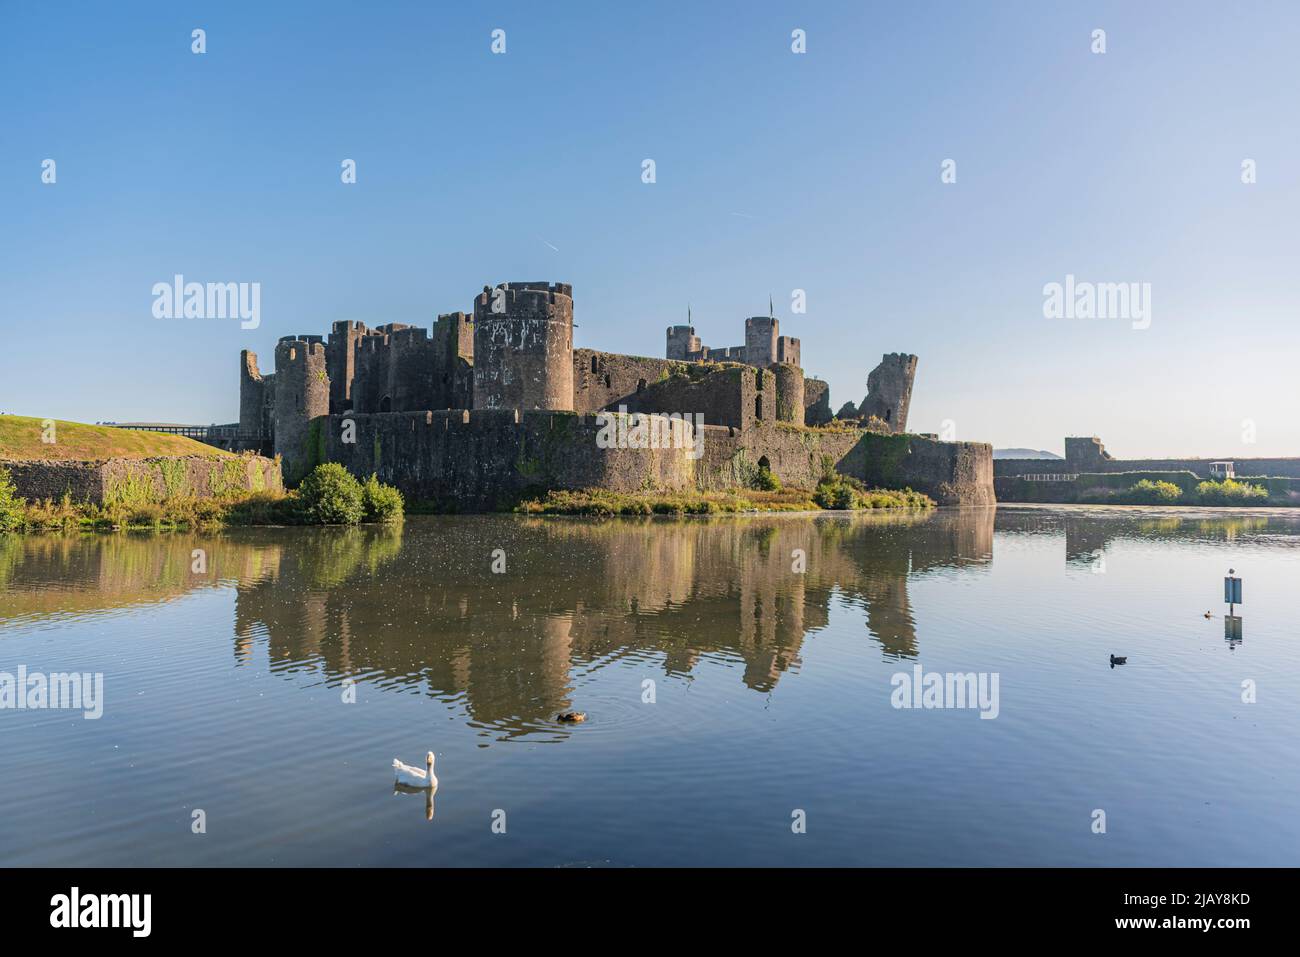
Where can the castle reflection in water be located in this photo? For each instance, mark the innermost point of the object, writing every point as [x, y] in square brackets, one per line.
[418, 608]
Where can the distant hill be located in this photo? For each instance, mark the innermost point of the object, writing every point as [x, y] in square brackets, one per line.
[20, 438]
[1026, 454]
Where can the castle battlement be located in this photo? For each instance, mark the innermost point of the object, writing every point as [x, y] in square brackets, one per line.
[292, 349]
[523, 299]
[510, 363]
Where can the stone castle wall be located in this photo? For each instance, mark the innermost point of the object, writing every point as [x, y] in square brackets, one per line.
[481, 459]
[604, 380]
[157, 479]
[473, 460]
[514, 356]
[1087, 454]
[724, 395]
[798, 458]
[952, 473]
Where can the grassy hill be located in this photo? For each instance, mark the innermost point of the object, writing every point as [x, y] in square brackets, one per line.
[20, 438]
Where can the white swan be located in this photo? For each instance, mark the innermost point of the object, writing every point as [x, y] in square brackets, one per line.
[414, 777]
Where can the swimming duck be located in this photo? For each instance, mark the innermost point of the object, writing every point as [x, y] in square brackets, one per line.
[1209, 615]
[1118, 661]
[414, 777]
[571, 717]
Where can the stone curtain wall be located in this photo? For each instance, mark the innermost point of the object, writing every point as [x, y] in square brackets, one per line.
[1092, 487]
[724, 396]
[1088, 454]
[797, 457]
[952, 473]
[482, 459]
[1281, 468]
[145, 480]
[1012, 467]
[602, 380]
[724, 393]
[471, 460]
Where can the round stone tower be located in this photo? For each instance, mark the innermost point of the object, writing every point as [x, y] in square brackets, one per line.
[523, 346]
[302, 401]
[789, 393]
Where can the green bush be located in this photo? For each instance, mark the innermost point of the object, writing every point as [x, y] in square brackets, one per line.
[1230, 492]
[329, 495]
[846, 492]
[382, 503]
[1147, 492]
[840, 492]
[11, 506]
[766, 481]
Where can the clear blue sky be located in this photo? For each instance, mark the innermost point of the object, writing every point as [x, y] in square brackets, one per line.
[775, 171]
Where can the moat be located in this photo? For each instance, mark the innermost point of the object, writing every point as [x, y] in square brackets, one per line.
[734, 671]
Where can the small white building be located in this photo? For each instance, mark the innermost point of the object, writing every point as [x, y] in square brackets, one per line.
[1221, 470]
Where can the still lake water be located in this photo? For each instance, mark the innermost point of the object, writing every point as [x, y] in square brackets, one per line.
[224, 691]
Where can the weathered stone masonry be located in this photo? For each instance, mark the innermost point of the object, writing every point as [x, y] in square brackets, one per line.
[501, 402]
[1088, 454]
[144, 480]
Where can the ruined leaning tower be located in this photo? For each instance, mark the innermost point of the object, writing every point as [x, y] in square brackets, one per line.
[523, 346]
[889, 390]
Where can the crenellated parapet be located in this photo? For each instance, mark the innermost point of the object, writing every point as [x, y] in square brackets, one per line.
[523, 346]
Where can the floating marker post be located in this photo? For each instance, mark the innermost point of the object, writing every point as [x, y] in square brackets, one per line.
[1232, 590]
[1232, 595]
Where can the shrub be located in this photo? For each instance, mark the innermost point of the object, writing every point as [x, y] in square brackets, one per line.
[846, 492]
[1147, 492]
[382, 503]
[260, 508]
[1230, 492]
[48, 514]
[144, 515]
[329, 495]
[835, 494]
[766, 481]
[11, 506]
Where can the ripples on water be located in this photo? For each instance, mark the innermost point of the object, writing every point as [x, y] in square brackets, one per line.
[225, 691]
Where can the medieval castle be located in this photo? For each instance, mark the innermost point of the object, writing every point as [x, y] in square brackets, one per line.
[500, 400]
